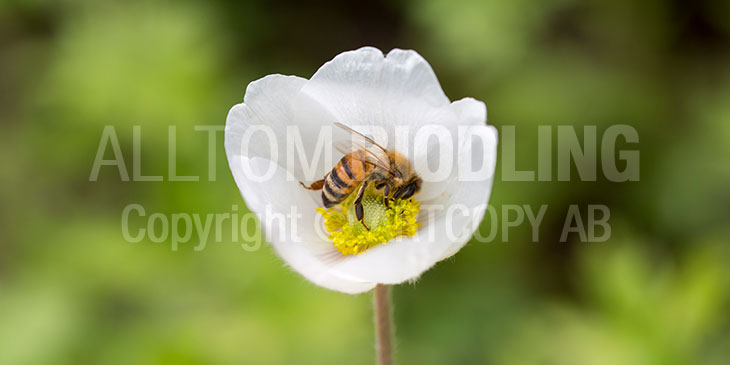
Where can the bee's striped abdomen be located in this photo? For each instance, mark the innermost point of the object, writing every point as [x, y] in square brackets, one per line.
[347, 174]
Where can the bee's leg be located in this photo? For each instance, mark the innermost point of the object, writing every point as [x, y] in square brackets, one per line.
[386, 192]
[360, 214]
[386, 195]
[361, 192]
[317, 185]
[359, 211]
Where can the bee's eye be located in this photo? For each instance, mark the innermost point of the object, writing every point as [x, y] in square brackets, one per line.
[380, 186]
[409, 191]
[387, 190]
[398, 192]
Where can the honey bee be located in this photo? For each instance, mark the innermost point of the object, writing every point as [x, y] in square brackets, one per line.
[366, 162]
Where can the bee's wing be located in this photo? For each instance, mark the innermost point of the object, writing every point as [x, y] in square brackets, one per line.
[366, 152]
[359, 135]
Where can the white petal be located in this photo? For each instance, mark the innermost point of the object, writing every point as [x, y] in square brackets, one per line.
[267, 102]
[475, 194]
[273, 102]
[400, 73]
[288, 220]
[468, 112]
[365, 88]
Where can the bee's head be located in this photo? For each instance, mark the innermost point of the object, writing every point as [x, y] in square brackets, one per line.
[403, 188]
[405, 182]
[409, 188]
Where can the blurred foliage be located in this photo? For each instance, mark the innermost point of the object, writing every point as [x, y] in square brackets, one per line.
[73, 291]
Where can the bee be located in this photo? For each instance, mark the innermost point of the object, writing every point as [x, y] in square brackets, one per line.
[366, 162]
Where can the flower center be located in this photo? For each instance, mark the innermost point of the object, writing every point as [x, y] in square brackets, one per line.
[350, 237]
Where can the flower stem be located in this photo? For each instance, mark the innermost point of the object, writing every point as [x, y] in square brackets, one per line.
[383, 325]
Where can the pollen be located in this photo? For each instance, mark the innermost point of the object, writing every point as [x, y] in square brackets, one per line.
[351, 237]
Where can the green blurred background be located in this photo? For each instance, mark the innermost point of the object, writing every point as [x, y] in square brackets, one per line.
[72, 291]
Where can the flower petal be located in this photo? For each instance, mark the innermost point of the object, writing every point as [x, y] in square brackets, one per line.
[273, 102]
[469, 113]
[400, 73]
[365, 88]
[289, 223]
[267, 103]
[275, 121]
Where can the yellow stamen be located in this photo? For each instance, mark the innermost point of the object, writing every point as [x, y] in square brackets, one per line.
[350, 237]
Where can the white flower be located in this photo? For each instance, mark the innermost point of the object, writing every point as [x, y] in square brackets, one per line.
[397, 94]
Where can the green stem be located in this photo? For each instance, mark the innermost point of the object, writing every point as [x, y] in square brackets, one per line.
[383, 325]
